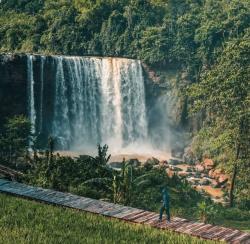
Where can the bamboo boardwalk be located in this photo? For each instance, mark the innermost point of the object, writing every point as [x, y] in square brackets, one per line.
[129, 214]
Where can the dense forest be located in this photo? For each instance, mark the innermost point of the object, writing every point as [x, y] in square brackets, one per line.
[207, 40]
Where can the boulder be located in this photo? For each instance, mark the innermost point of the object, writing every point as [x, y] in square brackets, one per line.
[215, 173]
[193, 181]
[170, 172]
[208, 163]
[177, 152]
[164, 162]
[175, 161]
[215, 184]
[204, 182]
[116, 165]
[176, 169]
[183, 174]
[152, 161]
[199, 167]
[188, 156]
[134, 162]
[223, 179]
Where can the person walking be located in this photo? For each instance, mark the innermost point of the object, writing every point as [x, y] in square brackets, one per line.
[165, 206]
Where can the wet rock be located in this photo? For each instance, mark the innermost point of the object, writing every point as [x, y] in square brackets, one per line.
[116, 165]
[152, 161]
[204, 182]
[177, 152]
[134, 162]
[193, 181]
[188, 156]
[163, 164]
[176, 169]
[175, 161]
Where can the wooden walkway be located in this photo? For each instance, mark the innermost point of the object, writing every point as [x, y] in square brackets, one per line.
[134, 215]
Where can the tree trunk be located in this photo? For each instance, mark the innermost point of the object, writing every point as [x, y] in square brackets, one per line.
[231, 191]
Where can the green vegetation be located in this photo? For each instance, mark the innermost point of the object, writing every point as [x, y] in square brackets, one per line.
[205, 42]
[14, 141]
[224, 94]
[23, 221]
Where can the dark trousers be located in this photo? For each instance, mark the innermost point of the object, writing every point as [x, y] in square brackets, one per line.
[166, 208]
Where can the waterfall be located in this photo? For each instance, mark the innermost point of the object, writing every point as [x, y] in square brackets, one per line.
[43, 58]
[95, 100]
[31, 99]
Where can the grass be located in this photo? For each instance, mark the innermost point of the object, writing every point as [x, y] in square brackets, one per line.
[24, 221]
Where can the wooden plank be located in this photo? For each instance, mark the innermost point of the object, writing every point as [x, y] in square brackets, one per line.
[223, 234]
[190, 227]
[105, 207]
[245, 239]
[176, 224]
[114, 211]
[125, 212]
[208, 230]
[203, 228]
[153, 217]
[183, 227]
[97, 207]
[131, 215]
[215, 233]
[210, 233]
[144, 218]
[4, 182]
[152, 221]
[134, 216]
[81, 203]
[231, 235]
[240, 238]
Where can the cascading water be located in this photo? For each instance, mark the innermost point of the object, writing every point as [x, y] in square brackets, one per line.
[95, 100]
[31, 99]
[43, 58]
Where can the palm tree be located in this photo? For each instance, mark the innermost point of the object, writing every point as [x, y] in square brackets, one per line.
[122, 183]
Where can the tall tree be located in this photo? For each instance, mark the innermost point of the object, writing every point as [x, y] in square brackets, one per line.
[224, 94]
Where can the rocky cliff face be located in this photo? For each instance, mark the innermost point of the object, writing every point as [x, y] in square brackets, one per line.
[13, 86]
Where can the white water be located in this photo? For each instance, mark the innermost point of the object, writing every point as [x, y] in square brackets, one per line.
[43, 58]
[99, 100]
[31, 101]
[85, 101]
